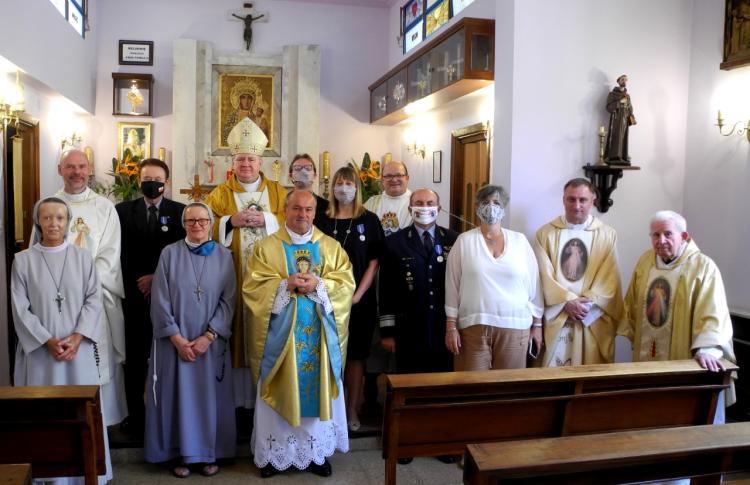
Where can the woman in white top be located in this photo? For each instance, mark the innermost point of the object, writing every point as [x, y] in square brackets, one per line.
[493, 298]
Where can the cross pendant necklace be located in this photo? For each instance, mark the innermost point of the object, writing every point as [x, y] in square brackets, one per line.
[59, 299]
[198, 276]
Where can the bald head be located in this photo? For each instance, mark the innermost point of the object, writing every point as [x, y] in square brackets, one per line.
[74, 170]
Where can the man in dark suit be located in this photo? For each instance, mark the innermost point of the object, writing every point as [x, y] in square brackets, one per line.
[412, 289]
[148, 224]
[412, 292]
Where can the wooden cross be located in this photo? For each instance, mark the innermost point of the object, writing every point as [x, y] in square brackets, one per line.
[196, 192]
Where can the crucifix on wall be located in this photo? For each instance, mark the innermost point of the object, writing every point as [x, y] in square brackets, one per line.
[246, 15]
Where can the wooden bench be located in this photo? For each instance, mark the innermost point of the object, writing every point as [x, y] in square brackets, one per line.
[57, 429]
[16, 474]
[439, 414]
[627, 456]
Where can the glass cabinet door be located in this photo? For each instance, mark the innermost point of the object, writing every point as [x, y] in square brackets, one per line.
[482, 55]
[396, 95]
[420, 75]
[448, 61]
[378, 101]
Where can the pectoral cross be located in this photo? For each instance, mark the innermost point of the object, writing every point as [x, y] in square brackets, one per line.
[198, 292]
[59, 299]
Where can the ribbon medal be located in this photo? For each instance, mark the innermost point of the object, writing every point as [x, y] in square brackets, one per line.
[163, 220]
[361, 231]
[439, 252]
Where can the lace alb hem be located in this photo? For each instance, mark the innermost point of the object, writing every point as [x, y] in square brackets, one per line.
[297, 448]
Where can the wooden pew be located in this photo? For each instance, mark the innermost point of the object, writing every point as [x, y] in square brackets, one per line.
[439, 414]
[623, 457]
[58, 429]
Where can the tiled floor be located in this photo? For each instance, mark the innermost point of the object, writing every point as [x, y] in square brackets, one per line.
[357, 467]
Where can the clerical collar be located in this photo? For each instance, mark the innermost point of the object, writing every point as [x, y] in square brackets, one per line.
[660, 264]
[577, 227]
[250, 186]
[51, 249]
[299, 238]
[77, 197]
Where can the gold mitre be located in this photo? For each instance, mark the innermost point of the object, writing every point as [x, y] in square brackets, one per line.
[247, 137]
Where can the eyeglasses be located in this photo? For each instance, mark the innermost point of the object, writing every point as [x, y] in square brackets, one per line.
[394, 176]
[200, 222]
[301, 168]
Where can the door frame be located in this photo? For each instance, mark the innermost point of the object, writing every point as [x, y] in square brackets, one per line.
[459, 138]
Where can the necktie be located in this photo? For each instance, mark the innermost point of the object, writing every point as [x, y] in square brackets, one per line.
[427, 241]
[153, 220]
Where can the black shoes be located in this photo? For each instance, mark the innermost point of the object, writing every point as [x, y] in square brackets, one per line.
[268, 471]
[323, 470]
[405, 461]
[448, 458]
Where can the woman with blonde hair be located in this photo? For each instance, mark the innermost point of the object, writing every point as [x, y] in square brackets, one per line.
[360, 234]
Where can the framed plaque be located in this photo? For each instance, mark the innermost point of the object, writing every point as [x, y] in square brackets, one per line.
[437, 167]
[136, 53]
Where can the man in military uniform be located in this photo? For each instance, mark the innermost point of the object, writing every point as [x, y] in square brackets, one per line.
[412, 291]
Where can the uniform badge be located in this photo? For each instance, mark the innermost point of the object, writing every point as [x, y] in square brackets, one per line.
[439, 252]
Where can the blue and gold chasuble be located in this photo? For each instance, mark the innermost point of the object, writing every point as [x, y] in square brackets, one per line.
[308, 324]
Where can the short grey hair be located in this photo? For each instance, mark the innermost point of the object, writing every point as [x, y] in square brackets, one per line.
[666, 216]
[291, 192]
[488, 191]
[35, 216]
[202, 205]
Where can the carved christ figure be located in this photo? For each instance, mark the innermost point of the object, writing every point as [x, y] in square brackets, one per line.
[248, 34]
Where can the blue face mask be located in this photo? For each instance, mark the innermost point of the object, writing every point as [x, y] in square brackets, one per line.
[204, 249]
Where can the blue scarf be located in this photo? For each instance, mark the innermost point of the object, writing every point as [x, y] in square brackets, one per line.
[204, 249]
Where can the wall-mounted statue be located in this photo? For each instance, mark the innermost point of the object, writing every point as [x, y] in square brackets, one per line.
[620, 119]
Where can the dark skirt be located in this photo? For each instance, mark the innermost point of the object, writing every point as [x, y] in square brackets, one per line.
[361, 326]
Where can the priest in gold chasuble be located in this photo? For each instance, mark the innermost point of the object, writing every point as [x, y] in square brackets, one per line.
[248, 208]
[578, 268]
[298, 290]
[675, 306]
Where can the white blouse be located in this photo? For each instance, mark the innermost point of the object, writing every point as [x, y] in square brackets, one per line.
[501, 292]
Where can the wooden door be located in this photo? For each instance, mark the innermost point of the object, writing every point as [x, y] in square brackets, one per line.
[23, 173]
[470, 170]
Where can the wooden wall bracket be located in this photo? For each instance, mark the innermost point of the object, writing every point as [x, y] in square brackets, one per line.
[604, 178]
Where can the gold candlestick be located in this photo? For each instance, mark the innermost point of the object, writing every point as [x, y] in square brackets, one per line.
[326, 169]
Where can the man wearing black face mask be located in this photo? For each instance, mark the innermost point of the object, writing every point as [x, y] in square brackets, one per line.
[148, 224]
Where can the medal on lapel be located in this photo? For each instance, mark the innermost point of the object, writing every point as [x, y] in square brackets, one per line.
[361, 231]
[164, 220]
[439, 252]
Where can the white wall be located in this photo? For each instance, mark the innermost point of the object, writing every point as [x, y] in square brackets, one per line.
[718, 168]
[351, 40]
[567, 57]
[42, 43]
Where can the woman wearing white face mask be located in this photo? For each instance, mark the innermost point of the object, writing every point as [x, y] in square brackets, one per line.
[493, 298]
[360, 234]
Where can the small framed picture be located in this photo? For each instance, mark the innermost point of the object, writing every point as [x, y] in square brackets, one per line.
[437, 167]
[136, 53]
[134, 139]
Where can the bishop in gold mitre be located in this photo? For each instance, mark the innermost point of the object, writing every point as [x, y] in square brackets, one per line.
[248, 208]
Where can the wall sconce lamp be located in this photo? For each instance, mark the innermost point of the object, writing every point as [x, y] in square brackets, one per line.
[12, 103]
[743, 127]
[416, 149]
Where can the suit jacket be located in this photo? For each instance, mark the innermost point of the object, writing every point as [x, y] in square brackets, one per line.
[140, 250]
[412, 295]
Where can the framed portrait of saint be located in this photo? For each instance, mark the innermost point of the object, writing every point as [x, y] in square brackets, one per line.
[247, 92]
[736, 34]
[134, 139]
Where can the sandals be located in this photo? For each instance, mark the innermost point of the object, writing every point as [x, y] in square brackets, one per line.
[181, 471]
[209, 469]
[354, 425]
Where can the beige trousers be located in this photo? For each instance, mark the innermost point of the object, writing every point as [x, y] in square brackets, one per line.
[484, 347]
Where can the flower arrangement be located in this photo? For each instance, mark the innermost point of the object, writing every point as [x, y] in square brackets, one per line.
[369, 176]
[126, 173]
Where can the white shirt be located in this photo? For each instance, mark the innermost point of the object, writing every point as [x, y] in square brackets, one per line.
[501, 292]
